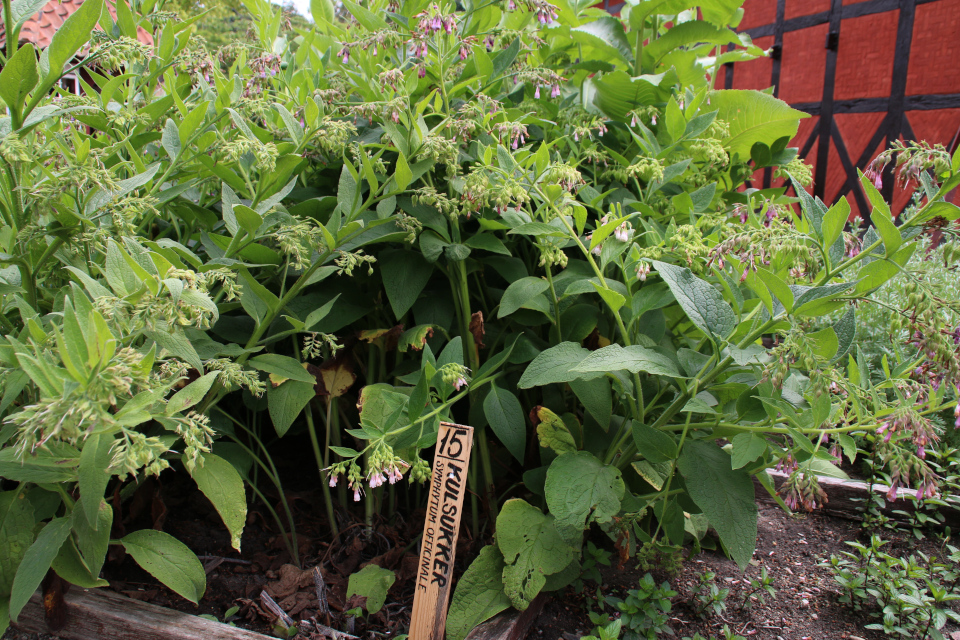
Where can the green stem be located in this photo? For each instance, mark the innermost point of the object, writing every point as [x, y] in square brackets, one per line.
[673, 470]
[318, 456]
[556, 302]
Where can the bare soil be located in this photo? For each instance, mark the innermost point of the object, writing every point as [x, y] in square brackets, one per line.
[791, 549]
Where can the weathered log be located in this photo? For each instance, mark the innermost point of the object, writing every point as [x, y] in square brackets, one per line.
[98, 614]
[511, 624]
[848, 498]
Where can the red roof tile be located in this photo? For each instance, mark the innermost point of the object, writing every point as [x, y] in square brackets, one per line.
[39, 29]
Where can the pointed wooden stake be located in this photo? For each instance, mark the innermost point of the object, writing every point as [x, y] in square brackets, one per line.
[448, 486]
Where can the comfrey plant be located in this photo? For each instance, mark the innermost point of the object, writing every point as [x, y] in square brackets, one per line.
[524, 216]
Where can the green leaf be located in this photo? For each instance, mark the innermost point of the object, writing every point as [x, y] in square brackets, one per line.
[532, 549]
[777, 287]
[287, 401]
[191, 394]
[479, 595]
[596, 398]
[825, 343]
[16, 531]
[834, 221]
[405, 274]
[223, 487]
[170, 139]
[283, 366]
[505, 415]
[653, 444]
[754, 116]
[168, 560]
[370, 20]
[504, 59]
[67, 41]
[372, 582]
[19, 77]
[747, 447]
[579, 490]
[93, 539]
[248, 219]
[36, 561]
[520, 293]
[613, 299]
[846, 330]
[402, 174]
[703, 304]
[725, 495]
[605, 34]
[633, 359]
[487, 242]
[44, 466]
[322, 11]
[70, 566]
[95, 473]
[556, 364]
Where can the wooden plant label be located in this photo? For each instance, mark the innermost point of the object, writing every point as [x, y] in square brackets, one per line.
[448, 485]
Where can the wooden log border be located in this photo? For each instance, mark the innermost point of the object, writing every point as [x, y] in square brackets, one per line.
[98, 614]
[846, 498]
[511, 624]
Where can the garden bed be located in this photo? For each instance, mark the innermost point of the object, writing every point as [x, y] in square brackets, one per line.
[789, 547]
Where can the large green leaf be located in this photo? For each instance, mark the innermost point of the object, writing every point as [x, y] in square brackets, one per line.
[16, 531]
[69, 38]
[724, 494]
[556, 364]
[19, 77]
[532, 549]
[223, 487]
[520, 293]
[505, 415]
[36, 561]
[579, 490]
[703, 304]
[690, 33]
[596, 397]
[653, 444]
[283, 366]
[191, 394]
[479, 595]
[287, 401]
[753, 117]
[168, 560]
[405, 274]
[617, 93]
[607, 35]
[93, 539]
[633, 359]
[94, 472]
